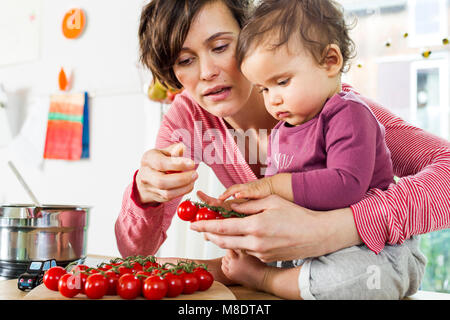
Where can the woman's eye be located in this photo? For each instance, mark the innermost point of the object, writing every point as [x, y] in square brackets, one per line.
[220, 48]
[184, 62]
[284, 82]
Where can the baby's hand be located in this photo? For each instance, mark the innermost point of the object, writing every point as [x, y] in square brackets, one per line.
[218, 202]
[253, 190]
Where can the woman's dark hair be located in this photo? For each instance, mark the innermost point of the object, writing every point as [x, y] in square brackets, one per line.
[316, 23]
[163, 28]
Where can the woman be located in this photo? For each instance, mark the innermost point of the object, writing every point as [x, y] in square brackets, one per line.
[197, 39]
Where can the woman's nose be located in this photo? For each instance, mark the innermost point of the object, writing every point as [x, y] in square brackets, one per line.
[208, 69]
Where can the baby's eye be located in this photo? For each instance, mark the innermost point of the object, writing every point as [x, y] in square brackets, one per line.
[284, 82]
[262, 89]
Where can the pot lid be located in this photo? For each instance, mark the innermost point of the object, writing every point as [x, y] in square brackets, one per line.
[25, 211]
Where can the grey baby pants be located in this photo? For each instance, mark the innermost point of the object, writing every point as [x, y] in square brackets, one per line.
[358, 273]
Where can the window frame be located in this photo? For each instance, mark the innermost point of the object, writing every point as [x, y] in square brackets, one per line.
[441, 63]
[429, 39]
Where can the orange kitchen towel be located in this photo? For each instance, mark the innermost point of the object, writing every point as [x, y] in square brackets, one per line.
[65, 127]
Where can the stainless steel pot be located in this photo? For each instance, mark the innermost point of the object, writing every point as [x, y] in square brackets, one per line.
[29, 233]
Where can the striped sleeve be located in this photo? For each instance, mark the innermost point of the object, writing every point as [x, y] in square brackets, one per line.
[419, 203]
[141, 229]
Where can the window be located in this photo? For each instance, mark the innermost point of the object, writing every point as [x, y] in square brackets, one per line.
[427, 22]
[436, 246]
[412, 85]
[429, 96]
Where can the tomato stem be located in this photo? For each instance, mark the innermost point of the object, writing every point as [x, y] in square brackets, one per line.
[225, 213]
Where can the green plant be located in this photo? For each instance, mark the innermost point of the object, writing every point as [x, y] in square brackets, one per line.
[436, 247]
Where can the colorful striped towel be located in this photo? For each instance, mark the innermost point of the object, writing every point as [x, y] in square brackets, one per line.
[68, 127]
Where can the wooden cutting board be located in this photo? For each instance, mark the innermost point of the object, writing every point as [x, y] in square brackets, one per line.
[9, 290]
[217, 292]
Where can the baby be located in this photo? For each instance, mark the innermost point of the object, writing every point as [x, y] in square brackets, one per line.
[328, 149]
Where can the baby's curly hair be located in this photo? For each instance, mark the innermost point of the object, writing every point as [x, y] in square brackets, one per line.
[317, 23]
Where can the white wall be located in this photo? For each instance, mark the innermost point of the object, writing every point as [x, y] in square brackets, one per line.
[124, 122]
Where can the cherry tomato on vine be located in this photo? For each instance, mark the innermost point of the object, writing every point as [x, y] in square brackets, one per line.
[52, 276]
[78, 268]
[157, 272]
[81, 276]
[115, 264]
[96, 286]
[149, 264]
[187, 210]
[113, 279]
[142, 275]
[69, 285]
[154, 288]
[205, 278]
[125, 270]
[92, 271]
[175, 285]
[135, 267]
[107, 267]
[205, 213]
[129, 286]
[190, 282]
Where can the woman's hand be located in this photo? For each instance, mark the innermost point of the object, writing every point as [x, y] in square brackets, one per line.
[153, 181]
[278, 229]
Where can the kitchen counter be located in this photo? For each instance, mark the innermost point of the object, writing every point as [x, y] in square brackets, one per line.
[9, 290]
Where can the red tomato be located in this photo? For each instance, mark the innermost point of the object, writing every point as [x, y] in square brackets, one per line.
[96, 286]
[52, 276]
[125, 270]
[112, 278]
[154, 288]
[81, 277]
[175, 285]
[69, 285]
[135, 267]
[78, 268]
[142, 275]
[78, 272]
[156, 272]
[115, 264]
[205, 279]
[149, 264]
[206, 214]
[92, 271]
[187, 210]
[190, 283]
[129, 287]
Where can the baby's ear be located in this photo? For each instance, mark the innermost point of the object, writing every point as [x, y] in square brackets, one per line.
[332, 60]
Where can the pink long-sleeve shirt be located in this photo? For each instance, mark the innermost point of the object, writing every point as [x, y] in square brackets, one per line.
[335, 157]
[417, 204]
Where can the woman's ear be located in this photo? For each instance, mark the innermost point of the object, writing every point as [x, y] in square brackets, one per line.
[332, 60]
